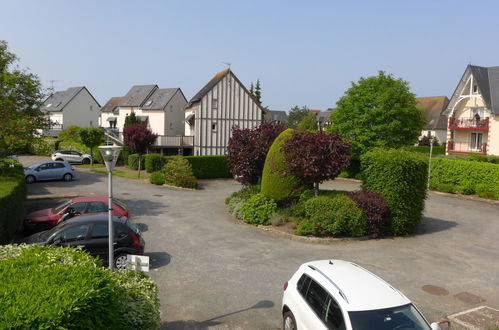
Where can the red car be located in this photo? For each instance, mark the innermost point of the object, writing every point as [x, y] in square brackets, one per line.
[48, 218]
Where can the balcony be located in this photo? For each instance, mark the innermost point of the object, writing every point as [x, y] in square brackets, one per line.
[174, 141]
[466, 148]
[469, 123]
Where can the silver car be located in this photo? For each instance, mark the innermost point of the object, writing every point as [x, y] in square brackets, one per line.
[71, 156]
[49, 170]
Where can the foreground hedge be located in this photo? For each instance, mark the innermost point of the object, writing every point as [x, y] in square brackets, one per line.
[44, 287]
[451, 175]
[401, 178]
[12, 197]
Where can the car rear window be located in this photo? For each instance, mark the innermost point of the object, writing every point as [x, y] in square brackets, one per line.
[133, 227]
[121, 204]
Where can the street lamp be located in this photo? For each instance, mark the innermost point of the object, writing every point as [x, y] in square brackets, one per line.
[110, 156]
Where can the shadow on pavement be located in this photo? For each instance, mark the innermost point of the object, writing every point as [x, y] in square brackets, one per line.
[434, 225]
[158, 259]
[82, 178]
[200, 325]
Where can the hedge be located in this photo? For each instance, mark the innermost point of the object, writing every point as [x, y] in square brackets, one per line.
[401, 178]
[437, 150]
[91, 297]
[154, 162]
[12, 196]
[209, 167]
[461, 174]
[133, 162]
[275, 184]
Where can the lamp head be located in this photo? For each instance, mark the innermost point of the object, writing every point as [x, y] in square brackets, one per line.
[110, 156]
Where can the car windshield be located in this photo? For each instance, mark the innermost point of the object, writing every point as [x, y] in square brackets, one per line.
[404, 317]
[59, 208]
[46, 234]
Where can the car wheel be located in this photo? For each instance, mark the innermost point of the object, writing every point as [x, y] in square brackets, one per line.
[43, 226]
[67, 177]
[30, 179]
[59, 160]
[120, 261]
[85, 161]
[288, 321]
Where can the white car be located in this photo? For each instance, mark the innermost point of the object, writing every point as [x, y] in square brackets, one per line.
[71, 156]
[336, 294]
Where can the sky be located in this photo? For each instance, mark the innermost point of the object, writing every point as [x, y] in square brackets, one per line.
[303, 52]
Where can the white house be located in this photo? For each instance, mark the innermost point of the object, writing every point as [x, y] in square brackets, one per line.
[74, 106]
[473, 112]
[221, 104]
[436, 120]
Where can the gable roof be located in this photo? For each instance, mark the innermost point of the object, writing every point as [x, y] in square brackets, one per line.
[487, 80]
[137, 95]
[58, 100]
[208, 87]
[433, 111]
[112, 103]
[279, 115]
[159, 98]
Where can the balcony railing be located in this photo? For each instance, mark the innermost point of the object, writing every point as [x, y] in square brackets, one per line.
[465, 148]
[174, 141]
[469, 123]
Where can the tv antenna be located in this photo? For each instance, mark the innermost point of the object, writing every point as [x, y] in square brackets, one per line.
[228, 64]
[51, 88]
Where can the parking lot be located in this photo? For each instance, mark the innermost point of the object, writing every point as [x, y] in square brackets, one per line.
[214, 273]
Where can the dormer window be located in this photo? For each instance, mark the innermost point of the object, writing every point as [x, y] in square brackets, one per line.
[148, 103]
[49, 105]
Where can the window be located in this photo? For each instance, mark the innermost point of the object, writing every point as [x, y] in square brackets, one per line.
[171, 108]
[148, 103]
[44, 167]
[477, 111]
[171, 125]
[316, 298]
[214, 103]
[476, 143]
[100, 230]
[303, 284]
[91, 108]
[97, 207]
[475, 89]
[49, 105]
[76, 233]
[333, 317]
[79, 207]
[214, 127]
[58, 165]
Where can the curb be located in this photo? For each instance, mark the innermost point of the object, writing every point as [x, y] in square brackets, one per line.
[468, 197]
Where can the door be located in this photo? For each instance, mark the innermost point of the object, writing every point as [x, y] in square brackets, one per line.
[476, 142]
[43, 171]
[98, 242]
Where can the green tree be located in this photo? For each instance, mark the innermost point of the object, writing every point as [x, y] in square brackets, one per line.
[378, 111]
[296, 115]
[130, 120]
[20, 99]
[308, 123]
[91, 137]
[258, 92]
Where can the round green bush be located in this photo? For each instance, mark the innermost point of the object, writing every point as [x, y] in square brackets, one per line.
[275, 184]
[178, 172]
[45, 287]
[258, 209]
[235, 205]
[305, 227]
[337, 214]
[157, 178]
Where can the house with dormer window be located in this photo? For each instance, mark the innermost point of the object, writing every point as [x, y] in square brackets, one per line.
[473, 113]
[74, 106]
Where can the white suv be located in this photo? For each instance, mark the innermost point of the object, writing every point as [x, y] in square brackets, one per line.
[336, 294]
[71, 156]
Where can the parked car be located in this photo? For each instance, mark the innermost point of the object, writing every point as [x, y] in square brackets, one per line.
[48, 218]
[72, 156]
[90, 232]
[336, 294]
[49, 170]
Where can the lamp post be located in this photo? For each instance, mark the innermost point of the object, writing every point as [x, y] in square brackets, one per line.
[110, 156]
[429, 164]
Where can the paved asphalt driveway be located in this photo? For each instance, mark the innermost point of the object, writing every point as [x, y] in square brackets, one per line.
[215, 273]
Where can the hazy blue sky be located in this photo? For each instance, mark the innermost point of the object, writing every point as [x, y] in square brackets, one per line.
[304, 52]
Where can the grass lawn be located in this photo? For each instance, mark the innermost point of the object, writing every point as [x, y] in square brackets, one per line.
[90, 166]
[129, 175]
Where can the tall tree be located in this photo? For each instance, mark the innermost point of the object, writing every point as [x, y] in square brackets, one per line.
[139, 138]
[296, 115]
[247, 150]
[130, 120]
[378, 111]
[91, 137]
[258, 92]
[252, 89]
[315, 157]
[20, 99]
[308, 123]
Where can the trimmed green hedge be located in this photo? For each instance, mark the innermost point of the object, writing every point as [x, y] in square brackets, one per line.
[154, 162]
[209, 167]
[12, 196]
[133, 162]
[275, 184]
[401, 178]
[440, 150]
[44, 287]
[451, 175]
